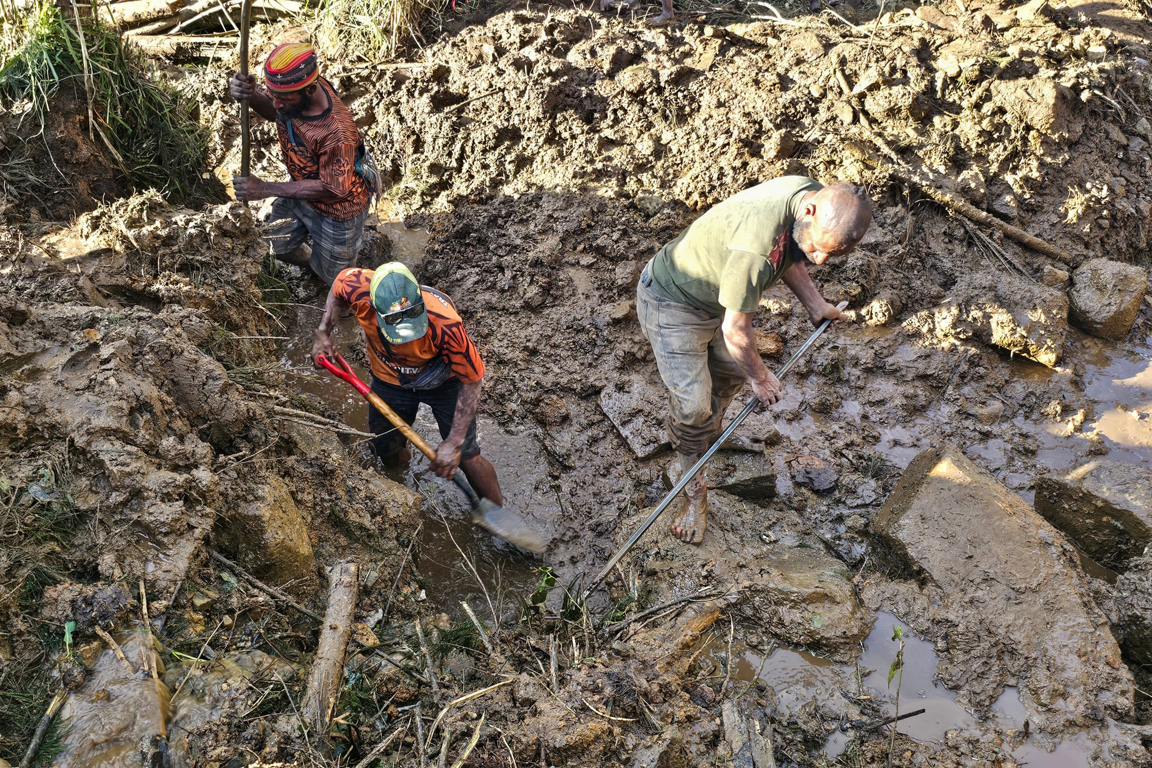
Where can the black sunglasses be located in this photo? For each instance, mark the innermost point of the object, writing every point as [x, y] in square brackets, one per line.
[394, 318]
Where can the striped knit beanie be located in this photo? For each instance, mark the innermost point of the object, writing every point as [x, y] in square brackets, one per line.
[290, 67]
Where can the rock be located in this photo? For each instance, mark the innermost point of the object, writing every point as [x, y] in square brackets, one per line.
[1034, 10]
[622, 311]
[650, 205]
[882, 310]
[202, 602]
[744, 474]
[1104, 507]
[628, 272]
[1040, 103]
[1131, 610]
[268, 534]
[813, 472]
[1006, 207]
[1105, 297]
[636, 407]
[804, 598]
[934, 17]
[1003, 310]
[1015, 600]
[1096, 52]
[769, 344]
[1144, 128]
[1053, 277]
[959, 57]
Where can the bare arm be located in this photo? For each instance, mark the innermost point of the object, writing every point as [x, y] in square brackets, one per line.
[449, 453]
[740, 339]
[333, 308]
[802, 286]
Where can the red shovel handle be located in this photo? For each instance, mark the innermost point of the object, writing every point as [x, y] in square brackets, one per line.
[343, 371]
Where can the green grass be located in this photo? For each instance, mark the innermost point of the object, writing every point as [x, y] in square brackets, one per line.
[150, 133]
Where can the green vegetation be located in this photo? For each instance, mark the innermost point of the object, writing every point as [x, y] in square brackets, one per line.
[150, 133]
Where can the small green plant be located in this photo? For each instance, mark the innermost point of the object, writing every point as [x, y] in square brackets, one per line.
[896, 671]
[69, 630]
[546, 584]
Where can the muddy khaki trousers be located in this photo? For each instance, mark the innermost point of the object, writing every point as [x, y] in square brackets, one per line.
[694, 363]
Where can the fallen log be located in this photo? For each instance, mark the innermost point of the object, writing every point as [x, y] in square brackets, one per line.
[134, 12]
[184, 49]
[328, 667]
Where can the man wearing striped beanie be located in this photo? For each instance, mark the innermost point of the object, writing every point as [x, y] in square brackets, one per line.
[333, 176]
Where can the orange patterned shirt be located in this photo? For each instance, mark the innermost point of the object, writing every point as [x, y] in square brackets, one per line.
[446, 336]
[324, 147]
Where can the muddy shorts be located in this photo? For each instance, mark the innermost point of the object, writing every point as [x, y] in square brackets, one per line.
[406, 402]
[335, 244]
[694, 363]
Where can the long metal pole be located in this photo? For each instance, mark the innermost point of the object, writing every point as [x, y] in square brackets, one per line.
[691, 473]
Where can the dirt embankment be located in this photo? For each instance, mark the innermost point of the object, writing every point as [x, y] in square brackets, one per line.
[144, 417]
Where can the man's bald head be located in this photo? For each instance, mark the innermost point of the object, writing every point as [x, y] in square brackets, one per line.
[833, 221]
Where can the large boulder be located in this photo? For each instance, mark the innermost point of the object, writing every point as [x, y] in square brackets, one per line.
[1016, 605]
[1002, 310]
[268, 534]
[1105, 297]
[1104, 507]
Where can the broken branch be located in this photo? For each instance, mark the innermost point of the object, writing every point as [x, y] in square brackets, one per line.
[328, 666]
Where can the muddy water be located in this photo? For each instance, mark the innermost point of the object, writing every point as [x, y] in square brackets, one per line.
[115, 718]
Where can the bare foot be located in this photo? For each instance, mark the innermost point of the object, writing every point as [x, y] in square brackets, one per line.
[661, 20]
[689, 525]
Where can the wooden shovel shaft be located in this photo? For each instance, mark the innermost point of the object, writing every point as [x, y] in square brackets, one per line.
[245, 141]
[405, 429]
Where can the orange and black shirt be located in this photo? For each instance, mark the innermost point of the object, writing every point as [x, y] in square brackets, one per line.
[446, 336]
[324, 147]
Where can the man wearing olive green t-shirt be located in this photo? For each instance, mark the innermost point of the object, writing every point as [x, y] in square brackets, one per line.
[697, 297]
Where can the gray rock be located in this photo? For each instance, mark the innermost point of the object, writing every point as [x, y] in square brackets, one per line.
[1105, 297]
[813, 472]
[636, 407]
[1002, 310]
[744, 474]
[1131, 610]
[1005, 207]
[1014, 599]
[1104, 507]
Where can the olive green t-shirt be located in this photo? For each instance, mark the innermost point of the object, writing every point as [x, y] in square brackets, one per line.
[736, 250]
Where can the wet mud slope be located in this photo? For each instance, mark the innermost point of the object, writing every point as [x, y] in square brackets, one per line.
[962, 461]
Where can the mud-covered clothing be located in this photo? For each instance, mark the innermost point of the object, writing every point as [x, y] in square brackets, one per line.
[400, 364]
[335, 244]
[406, 402]
[326, 147]
[701, 375]
[736, 250]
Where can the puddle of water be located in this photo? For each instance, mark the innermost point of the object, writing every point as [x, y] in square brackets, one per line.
[1120, 382]
[917, 687]
[508, 574]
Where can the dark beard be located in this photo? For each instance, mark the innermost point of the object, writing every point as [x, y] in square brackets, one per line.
[800, 229]
[298, 110]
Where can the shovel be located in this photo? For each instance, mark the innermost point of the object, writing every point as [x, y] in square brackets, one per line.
[699, 465]
[485, 513]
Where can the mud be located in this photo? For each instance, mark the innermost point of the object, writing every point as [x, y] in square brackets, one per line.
[538, 158]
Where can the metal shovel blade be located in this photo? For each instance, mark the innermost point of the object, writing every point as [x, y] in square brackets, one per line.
[508, 526]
